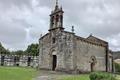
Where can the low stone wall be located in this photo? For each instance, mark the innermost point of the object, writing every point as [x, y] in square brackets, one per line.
[15, 60]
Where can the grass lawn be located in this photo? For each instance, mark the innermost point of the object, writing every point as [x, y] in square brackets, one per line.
[118, 77]
[17, 73]
[76, 77]
[81, 77]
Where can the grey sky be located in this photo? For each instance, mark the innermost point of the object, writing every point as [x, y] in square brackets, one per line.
[20, 17]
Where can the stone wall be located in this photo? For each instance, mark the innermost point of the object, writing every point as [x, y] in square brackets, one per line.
[84, 52]
[72, 53]
[67, 48]
[110, 64]
[44, 51]
[14, 60]
[63, 47]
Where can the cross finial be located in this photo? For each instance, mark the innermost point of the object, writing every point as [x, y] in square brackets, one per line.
[73, 29]
[91, 34]
[56, 2]
[40, 35]
[56, 6]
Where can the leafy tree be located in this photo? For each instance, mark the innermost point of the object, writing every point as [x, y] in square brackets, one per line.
[18, 52]
[32, 50]
[3, 50]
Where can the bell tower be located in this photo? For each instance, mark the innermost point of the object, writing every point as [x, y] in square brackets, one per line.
[56, 18]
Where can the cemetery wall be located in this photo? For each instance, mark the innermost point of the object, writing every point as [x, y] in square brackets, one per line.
[15, 60]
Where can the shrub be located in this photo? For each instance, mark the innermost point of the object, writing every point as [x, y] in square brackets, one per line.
[117, 67]
[101, 76]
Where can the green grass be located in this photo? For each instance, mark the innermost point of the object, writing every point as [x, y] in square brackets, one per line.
[118, 77]
[17, 73]
[76, 77]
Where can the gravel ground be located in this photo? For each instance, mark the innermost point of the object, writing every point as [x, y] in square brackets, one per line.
[50, 75]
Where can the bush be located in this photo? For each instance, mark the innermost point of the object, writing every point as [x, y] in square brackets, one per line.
[101, 76]
[117, 67]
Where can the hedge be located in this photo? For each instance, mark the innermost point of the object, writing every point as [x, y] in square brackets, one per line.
[101, 76]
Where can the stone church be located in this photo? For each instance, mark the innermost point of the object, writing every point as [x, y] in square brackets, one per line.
[60, 50]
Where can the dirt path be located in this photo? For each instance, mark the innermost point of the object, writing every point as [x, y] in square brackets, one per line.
[53, 75]
[50, 75]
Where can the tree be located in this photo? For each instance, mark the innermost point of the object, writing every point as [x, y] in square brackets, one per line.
[18, 52]
[3, 50]
[32, 50]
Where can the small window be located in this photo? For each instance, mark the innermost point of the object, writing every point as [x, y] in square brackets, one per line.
[53, 40]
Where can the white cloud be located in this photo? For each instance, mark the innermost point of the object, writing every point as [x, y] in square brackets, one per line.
[100, 17]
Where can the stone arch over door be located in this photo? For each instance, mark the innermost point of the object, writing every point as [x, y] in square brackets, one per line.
[93, 62]
[54, 60]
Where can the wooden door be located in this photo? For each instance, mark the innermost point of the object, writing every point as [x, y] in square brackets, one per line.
[54, 62]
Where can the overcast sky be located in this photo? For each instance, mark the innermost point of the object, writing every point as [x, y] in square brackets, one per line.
[22, 21]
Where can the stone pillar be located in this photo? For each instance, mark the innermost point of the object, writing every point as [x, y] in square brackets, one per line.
[16, 61]
[29, 61]
[2, 60]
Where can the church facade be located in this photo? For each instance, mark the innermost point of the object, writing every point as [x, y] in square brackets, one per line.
[61, 50]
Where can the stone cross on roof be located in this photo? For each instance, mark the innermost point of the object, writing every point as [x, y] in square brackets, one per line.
[56, 2]
[73, 29]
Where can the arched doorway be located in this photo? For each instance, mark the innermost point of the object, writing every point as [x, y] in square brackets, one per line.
[93, 61]
[54, 60]
[92, 66]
